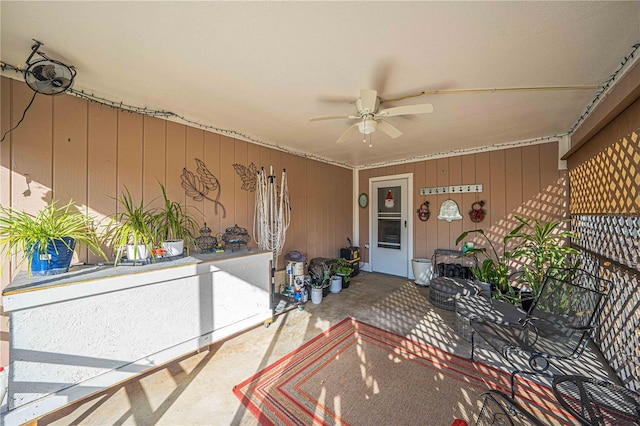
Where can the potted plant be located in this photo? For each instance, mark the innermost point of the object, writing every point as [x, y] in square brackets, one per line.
[319, 274]
[47, 239]
[542, 248]
[174, 226]
[538, 247]
[344, 270]
[133, 229]
[495, 269]
[336, 284]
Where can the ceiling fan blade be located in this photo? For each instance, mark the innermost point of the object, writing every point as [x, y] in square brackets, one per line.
[368, 100]
[332, 117]
[348, 133]
[389, 129]
[406, 110]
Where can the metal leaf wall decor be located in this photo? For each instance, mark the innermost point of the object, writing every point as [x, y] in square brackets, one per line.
[198, 187]
[248, 175]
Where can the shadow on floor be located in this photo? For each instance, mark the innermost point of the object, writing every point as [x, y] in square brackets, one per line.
[196, 389]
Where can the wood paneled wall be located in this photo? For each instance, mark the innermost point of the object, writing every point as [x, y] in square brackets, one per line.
[68, 148]
[523, 181]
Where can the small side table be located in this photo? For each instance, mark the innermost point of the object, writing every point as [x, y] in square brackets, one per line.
[597, 402]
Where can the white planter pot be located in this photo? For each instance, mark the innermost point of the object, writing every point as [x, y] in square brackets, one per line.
[174, 248]
[137, 252]
[316, 296]
[336, 284]
[422, 271]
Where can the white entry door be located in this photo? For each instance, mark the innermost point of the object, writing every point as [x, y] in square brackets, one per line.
[389, 248]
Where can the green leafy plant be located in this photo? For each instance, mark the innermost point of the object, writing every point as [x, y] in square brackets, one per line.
[172, 222]
[536, 246]
[542, 248]
[320, 274]
[495, 269]
[341, 267]
[133, 224]
[21, 232]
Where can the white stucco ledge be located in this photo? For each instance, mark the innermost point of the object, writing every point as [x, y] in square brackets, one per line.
[83, 331]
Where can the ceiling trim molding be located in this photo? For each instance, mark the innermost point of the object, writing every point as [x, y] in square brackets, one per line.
[487, 148]
[619, 98]
[618, 92]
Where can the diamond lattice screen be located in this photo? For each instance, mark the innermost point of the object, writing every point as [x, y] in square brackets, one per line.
[609, 182]
[618, 336]
[605, 207]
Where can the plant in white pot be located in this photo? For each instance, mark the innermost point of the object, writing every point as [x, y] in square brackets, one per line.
[344, 270]
[319, 274]
[174, 226]
[133, 229]
[48, 239]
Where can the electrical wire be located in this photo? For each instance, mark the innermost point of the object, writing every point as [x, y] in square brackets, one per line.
[24, 113]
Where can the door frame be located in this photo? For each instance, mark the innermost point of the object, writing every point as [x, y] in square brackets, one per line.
[409, 178]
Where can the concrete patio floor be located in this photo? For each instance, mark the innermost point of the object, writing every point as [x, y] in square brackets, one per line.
[196, 389]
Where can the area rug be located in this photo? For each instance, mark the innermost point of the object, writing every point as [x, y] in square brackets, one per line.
[358, 374]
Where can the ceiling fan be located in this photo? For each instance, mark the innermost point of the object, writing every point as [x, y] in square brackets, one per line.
[369, 116]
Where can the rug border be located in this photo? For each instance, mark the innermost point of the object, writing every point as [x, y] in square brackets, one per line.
[263, 419]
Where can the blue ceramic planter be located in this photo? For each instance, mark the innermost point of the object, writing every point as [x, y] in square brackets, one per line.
[56, 260]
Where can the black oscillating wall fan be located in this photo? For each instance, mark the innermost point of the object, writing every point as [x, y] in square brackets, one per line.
[46, 75]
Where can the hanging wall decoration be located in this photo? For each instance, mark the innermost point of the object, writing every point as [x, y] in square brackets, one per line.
[248, 174]
[477, 213]
[449, 211]
[388, 202]
[273, 213]
[423, 212]
[198, 187]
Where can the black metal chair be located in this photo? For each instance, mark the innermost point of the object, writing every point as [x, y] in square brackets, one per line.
[557, 326]
[499, 409]
[597, 402]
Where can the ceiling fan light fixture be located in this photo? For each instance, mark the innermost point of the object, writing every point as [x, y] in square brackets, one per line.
[366, 127]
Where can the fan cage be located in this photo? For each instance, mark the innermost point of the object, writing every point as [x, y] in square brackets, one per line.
[55, 84]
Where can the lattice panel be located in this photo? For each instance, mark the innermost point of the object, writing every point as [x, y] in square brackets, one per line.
[614, 237]
[618, 336]
[609, 182]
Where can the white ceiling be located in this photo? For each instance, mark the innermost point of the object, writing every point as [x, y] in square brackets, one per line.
[262, 69]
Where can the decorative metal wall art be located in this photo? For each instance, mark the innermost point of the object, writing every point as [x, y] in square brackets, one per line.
[248, 174]
[198, 187]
